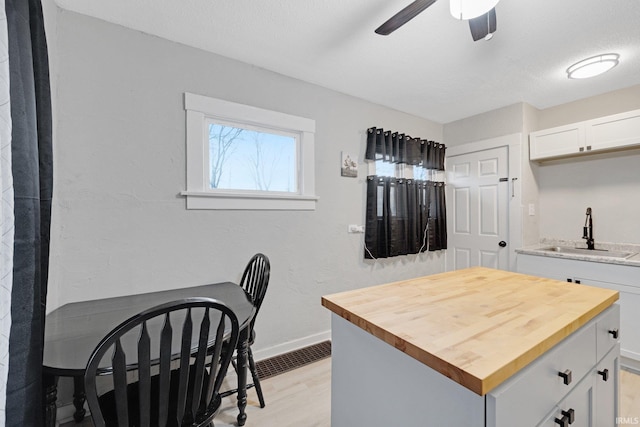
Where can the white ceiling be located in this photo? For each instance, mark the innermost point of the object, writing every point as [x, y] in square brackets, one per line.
[430, 67]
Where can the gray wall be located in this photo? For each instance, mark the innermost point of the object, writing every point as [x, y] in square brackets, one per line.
[614, 102]
[503, 121]
[119, 224]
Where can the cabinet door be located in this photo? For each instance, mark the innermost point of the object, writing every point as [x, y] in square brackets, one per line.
[629, 316]
[557, 142]
[607, 379]
[611, 132]
[577, 409]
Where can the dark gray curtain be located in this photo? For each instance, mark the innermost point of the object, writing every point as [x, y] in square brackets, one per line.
[31, 149]
[395, 147]
[404, 216]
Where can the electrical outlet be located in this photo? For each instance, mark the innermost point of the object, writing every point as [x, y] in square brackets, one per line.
[353, 228]
[532, 209]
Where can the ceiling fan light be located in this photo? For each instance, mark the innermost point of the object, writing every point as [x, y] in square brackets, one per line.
[468, 9]
[593, 66]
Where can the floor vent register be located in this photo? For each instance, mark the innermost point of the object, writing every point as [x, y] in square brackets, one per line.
[288, 361]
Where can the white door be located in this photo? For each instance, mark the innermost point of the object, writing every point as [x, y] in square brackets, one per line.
[477, 209]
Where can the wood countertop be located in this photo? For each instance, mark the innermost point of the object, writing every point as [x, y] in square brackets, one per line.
[477, 326]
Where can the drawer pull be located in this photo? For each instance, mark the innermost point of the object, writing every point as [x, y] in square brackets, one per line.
[568, 417]
[570, 414]
[614, 333]
[605, 374]
[566, 376]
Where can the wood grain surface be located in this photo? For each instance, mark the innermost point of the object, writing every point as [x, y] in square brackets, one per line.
[477, 326]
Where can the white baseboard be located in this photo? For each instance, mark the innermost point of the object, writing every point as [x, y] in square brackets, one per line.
[630, 363]
[288, 346]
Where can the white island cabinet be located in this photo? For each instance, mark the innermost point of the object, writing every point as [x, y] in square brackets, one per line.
[624, 278]
[472, 348]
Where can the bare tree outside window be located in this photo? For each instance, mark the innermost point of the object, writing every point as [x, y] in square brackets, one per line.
[221, 146]
[253, 160]
[264, 161]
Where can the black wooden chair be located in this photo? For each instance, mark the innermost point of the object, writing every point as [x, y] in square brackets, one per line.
[168, 346]
[255, 280]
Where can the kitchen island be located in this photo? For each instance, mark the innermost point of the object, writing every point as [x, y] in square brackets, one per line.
[474, 347]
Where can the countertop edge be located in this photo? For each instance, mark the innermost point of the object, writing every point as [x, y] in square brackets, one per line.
[537, 250]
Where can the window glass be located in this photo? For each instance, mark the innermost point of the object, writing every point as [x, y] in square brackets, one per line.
[420, 173]
[386, 168]
[241, 158]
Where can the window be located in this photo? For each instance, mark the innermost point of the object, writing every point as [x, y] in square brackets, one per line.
[244, 157]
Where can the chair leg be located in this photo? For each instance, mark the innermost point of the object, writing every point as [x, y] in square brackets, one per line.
[256, 379]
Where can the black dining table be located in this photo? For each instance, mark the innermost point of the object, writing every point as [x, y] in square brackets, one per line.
[73, 330]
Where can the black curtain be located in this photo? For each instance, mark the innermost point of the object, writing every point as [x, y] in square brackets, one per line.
[404, 216]
[31, 149]
[395, 147]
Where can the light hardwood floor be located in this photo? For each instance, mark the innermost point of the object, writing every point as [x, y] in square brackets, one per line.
[303, 398]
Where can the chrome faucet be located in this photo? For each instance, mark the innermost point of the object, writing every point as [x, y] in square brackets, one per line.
[587, 230]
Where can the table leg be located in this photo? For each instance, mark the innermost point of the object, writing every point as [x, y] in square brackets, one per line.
[78, 398]
[242, 374]
[50, 388]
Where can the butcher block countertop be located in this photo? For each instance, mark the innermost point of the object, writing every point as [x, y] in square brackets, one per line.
[477, 326]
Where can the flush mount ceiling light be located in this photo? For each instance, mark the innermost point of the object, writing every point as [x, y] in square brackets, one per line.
[593, 66]
[469, 9]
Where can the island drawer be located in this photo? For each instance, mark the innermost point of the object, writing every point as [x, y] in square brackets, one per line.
[608, 330]
[528, 397]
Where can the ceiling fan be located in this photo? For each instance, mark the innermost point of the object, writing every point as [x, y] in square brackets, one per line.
[482, 25]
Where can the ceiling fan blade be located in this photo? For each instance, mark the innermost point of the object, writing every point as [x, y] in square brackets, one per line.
[404, 16]
[483, 25]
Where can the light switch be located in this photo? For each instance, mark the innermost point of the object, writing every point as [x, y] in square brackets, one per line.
[532, 209]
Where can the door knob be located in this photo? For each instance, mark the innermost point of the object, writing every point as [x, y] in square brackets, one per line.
[502, 243]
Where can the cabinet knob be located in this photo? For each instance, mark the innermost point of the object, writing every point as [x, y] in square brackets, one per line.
[605, 374]
[570, 414]
[566, 376]
[568, 417]
[614, 333]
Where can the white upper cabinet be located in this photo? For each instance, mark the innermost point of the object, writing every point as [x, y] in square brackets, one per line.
[619, 131]
[614, 132]
[556, 142]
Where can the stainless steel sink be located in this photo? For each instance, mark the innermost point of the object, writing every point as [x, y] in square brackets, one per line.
[591, 252]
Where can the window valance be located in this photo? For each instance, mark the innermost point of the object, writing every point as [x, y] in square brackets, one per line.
[395, 147]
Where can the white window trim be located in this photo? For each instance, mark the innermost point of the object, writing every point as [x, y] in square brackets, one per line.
[199, 196]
